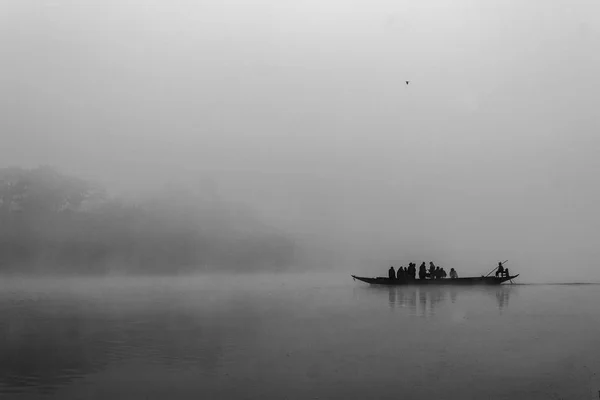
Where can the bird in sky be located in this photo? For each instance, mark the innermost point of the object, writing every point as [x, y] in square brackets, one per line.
[407, 82]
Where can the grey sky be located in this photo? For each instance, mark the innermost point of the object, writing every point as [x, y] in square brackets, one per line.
[300, 109]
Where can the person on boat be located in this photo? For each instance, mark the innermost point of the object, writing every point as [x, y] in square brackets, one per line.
[506, 273]
[391, 273]
[400, 273]
[443, 273]
[422, 271]
[431, 270]
[412, 271]
[438, 273]
[453, 274]
[500, 270]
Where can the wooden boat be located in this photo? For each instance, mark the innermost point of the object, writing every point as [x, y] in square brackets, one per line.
[483, 280]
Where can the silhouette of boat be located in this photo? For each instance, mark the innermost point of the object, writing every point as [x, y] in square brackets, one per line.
[483, 280]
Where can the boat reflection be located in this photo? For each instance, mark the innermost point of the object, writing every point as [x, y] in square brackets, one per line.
[424, 301]
[503, 295]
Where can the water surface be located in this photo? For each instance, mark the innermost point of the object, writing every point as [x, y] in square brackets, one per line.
[295, 337]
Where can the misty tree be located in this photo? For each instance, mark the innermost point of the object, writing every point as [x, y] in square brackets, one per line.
[40, 191]
[51, 221]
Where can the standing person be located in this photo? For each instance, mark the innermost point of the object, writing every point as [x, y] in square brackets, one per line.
[453, 274]
[500, 270]
[431, 270]
[438, 273]
[391, 273]
[422, 271]
[443, 273]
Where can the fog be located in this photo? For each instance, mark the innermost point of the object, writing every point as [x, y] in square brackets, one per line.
[299, 113]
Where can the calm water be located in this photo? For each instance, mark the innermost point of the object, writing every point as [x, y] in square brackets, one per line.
[295, 337]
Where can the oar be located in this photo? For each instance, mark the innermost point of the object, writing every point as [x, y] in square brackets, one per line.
[504, 262]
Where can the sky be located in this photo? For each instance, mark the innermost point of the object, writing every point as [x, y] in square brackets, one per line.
[300, 110]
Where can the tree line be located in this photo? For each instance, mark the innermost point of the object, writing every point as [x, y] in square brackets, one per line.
[52, 222]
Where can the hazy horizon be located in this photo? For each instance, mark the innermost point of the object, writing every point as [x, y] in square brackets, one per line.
[300, 112]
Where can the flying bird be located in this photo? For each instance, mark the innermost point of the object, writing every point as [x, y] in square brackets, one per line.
[407, 82]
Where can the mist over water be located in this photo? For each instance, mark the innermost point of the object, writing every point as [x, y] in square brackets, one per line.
[186, 187]
[295, 336]
[300, 112]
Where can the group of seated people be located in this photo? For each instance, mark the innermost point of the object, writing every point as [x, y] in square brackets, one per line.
[410, 272]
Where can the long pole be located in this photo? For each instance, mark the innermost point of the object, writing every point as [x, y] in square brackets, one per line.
[495, 268]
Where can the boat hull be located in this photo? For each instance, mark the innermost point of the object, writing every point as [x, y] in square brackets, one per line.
[483, 280]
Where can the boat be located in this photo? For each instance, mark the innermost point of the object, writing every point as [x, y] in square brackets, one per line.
[483, 280]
